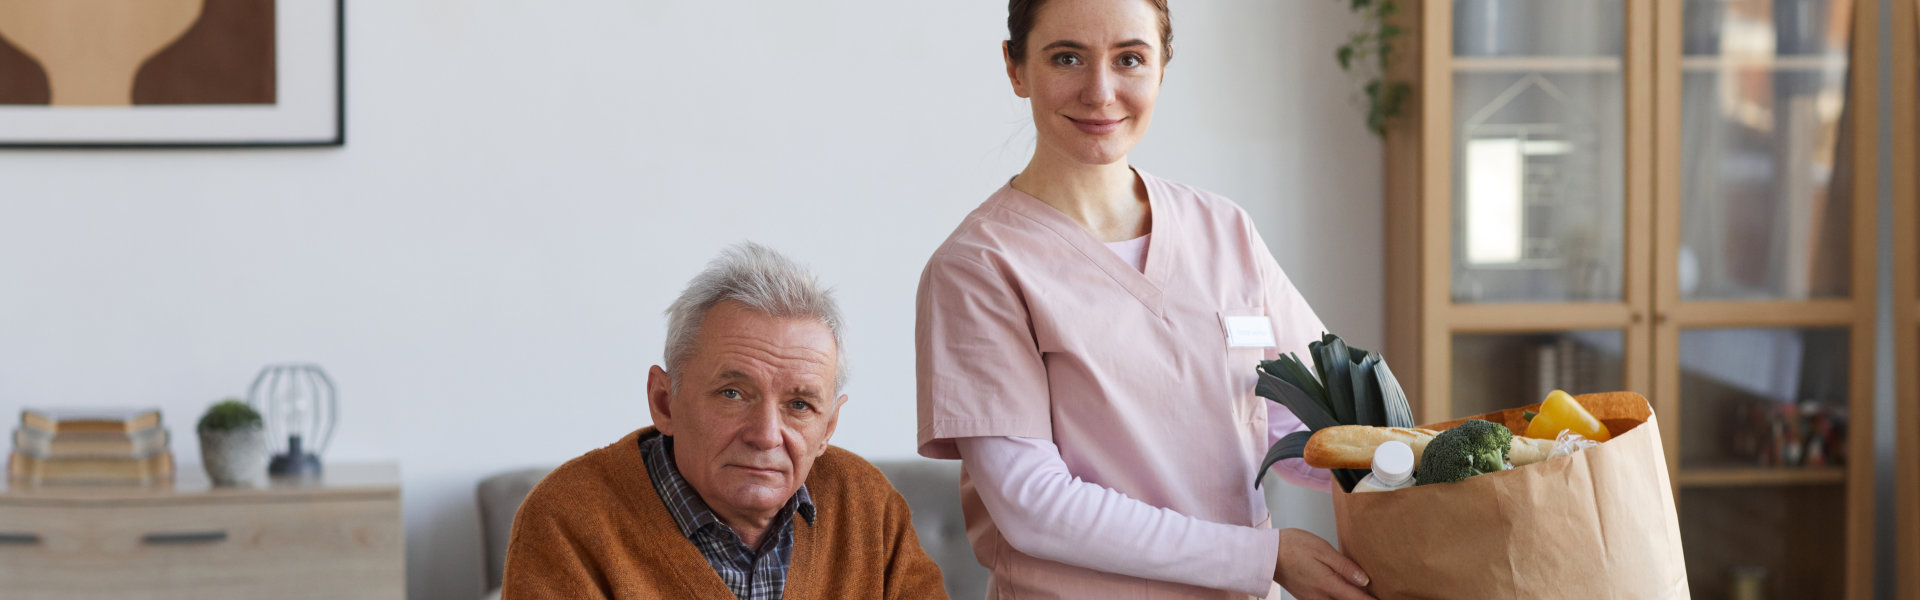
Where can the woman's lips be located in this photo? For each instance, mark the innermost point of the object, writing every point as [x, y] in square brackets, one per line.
[1096, 126]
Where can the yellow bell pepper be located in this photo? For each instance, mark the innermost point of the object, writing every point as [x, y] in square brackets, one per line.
[1561, 412]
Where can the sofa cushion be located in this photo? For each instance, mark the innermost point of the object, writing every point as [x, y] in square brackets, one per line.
[500, 497]
[932, 490]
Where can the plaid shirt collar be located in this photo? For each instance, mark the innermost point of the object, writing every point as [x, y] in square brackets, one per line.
[750, 574]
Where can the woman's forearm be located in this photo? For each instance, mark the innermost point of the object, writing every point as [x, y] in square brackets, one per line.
[1045, 512]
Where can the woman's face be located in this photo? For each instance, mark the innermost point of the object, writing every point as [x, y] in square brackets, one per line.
[1092, 71]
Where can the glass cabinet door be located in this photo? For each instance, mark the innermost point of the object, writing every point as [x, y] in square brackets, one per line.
[1538, 203]
[1498, 371]
[1760, 321]
[1763, 496]
[1766, 199]
[1538, 150]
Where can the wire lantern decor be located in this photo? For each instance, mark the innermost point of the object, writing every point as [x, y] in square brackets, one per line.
[300, 407]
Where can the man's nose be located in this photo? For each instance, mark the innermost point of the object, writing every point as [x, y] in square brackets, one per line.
[763, 427]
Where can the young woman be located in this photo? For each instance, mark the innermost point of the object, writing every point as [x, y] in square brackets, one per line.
[1087, 340]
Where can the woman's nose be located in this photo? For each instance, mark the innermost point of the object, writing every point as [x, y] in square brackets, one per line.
[1099, 88]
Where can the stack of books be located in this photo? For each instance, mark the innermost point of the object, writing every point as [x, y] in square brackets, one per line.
[90, 446]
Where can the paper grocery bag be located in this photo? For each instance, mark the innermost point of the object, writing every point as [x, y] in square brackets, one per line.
[1599, 523]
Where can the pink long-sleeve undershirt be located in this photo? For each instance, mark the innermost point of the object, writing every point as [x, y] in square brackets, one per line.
[1046, 512]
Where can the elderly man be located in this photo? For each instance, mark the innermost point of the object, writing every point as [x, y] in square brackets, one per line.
[733, 492]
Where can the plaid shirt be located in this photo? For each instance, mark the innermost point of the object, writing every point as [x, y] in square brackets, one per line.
[751, 575]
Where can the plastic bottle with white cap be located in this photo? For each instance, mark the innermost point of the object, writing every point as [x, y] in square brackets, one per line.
[1392, 469]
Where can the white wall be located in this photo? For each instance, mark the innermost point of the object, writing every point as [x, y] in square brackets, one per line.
[527, 184]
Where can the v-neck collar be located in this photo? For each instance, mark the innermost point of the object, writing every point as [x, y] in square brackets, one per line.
[1145, 285]
[705, 582]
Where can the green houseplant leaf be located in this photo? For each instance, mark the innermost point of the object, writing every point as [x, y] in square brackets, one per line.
[228, 415]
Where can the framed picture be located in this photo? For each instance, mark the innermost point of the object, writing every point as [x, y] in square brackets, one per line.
[172, 73]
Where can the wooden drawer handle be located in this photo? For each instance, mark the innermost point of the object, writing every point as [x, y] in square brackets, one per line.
[188, 537]
[19, 539]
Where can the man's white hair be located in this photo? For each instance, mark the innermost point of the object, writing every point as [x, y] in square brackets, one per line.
[765, 281]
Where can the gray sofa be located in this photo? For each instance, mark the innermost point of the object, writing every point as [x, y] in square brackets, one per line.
[931, 487]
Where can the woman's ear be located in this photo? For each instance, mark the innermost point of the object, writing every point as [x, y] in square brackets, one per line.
[1013, 70]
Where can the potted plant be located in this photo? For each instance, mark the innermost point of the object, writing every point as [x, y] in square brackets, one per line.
[233, 444]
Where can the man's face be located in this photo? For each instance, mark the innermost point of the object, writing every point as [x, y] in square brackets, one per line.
[754, 407]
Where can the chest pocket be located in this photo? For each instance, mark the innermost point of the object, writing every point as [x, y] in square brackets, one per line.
[1246, 338]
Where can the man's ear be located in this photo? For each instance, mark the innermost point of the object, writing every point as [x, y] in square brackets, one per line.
[1013, 70]
[660, 399]
[833, 423]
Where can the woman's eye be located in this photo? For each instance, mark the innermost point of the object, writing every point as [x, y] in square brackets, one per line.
[1132, 60]
[1065, 59]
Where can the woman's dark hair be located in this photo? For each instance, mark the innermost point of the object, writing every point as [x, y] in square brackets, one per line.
[1021, 13]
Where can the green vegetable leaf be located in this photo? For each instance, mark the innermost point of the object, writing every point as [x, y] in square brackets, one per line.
[1292, 371]
[1330, 357]
[1393, 399]
[1350, 477]
[1347, 385]
[1366, 397]
[1311, 412]
[1294, 445]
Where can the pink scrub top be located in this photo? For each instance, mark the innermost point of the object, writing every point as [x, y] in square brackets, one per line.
[1028, 326]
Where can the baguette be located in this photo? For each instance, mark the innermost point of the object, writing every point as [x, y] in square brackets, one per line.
[1351, 446]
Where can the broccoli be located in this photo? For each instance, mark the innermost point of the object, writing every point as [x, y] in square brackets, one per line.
[1469, 449]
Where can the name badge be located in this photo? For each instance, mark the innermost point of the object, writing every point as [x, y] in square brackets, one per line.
[1249, 332]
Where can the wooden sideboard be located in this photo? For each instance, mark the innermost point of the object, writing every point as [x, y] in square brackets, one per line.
[338, 536]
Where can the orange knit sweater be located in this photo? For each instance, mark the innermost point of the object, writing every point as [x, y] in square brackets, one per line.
[595, 528]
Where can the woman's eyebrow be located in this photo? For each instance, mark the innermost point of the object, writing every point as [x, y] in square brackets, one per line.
[1070, 44]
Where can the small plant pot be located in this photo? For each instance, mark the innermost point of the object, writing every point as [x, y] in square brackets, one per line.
[235, 457]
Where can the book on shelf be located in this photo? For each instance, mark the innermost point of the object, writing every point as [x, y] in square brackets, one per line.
[94, 470]
[39, 443]
[90, 420]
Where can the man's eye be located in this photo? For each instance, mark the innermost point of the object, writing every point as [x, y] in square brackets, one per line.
[1066, 59]
[799, 405]
[730, 394]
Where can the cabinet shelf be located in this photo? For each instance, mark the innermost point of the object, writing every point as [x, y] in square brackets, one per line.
[1611, 64]
[1814, 62]
[1536, 64]
[1761, 476]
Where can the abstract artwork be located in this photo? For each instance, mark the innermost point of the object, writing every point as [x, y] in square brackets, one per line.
[171, 73]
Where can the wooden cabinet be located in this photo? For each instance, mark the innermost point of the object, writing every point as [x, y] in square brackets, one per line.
[1905, 167]
[336, 537]
[1671, 197]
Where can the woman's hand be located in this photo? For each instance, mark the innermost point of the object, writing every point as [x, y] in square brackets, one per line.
[1310, 569]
